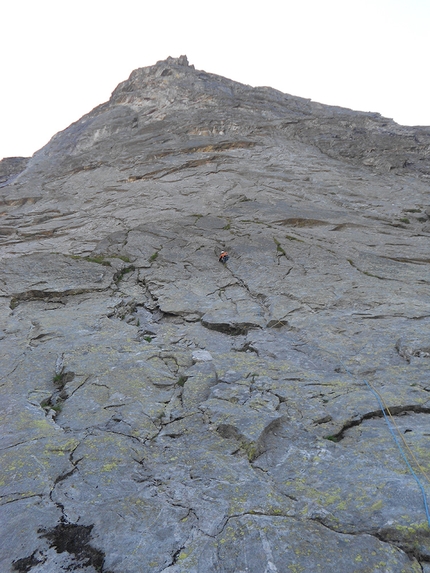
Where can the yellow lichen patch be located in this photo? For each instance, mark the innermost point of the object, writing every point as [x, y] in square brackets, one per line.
[109, 467]
[60, 448]
[296, 568]
[41, 424]
[182, 555]
[413, 530]
[377, 505]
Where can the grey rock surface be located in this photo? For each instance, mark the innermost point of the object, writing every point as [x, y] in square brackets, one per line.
[162, 412]
[10, 167]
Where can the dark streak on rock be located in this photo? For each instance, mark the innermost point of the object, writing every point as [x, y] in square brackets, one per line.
[75, 539]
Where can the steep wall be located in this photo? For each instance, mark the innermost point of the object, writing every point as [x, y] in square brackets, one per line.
[164, 412]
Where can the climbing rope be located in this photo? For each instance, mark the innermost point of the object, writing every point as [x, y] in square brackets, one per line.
[388, 416]
[387, 409]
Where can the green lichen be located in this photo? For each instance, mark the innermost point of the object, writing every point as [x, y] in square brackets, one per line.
[122, 258]
[120, 274]
[57, 379]
[279, 248]
[251, 450]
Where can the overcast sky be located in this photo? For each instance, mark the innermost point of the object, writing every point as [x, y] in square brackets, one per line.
[61, 58]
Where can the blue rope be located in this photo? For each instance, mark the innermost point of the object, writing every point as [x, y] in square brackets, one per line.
[416, 478]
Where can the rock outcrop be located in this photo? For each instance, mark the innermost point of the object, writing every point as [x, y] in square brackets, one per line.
[10, 167]
[163, 412]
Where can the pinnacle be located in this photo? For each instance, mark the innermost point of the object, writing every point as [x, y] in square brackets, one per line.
[181, 61]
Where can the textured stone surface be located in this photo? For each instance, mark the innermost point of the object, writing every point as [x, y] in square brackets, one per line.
[10, 167]
[163, 412]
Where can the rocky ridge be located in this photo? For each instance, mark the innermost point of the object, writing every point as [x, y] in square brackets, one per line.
[166, 413]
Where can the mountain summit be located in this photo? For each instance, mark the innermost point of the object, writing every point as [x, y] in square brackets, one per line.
[166, 413]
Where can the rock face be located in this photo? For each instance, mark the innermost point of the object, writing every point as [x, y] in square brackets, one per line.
[163, 412]
[10, 167]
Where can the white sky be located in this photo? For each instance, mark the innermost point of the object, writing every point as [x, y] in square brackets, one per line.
[61, 58]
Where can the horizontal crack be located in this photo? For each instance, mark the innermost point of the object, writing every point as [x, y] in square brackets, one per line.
[393, 410]
[409, 545]
[34, 295]
[391, 537]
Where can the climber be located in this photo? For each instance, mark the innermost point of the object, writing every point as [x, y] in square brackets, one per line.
[223, 258]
